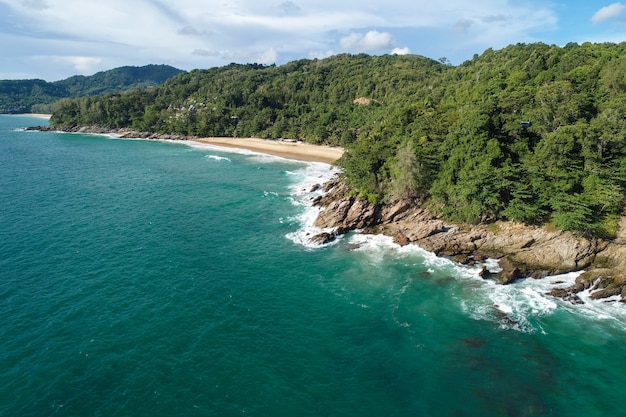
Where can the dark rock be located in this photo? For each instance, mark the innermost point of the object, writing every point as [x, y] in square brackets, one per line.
[401, 239]
[504, 318]
[510, 272]
[341, 231]
[472, 341]
[485, 273]
[462, 258]
[322, 238]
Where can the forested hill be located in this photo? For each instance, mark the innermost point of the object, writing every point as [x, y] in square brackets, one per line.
[532, 132]
[25, 96]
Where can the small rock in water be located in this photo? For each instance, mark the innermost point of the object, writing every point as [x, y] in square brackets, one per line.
[322, 238]
[485, 273]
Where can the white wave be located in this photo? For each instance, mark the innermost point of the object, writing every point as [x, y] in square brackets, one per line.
[516, 306]
[306, 187]
[218, 158]
[519, 306]
[605, 310]
[253, 155]
[210, 147]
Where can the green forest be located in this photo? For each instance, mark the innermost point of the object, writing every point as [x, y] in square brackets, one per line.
[38, 96]
[533, 132]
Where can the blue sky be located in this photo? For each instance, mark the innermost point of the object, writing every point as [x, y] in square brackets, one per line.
[55, 39]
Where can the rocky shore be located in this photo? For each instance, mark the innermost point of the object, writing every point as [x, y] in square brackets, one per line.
[522, 251]
[120, 132]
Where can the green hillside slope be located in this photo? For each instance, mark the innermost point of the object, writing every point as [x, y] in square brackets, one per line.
[535, 133]
[24, 96]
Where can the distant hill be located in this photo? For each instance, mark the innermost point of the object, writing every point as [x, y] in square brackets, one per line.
[37, 96]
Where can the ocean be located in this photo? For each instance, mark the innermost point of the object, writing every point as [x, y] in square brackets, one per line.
[147, 278]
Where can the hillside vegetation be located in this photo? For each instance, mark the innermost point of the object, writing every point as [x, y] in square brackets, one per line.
[533, 132]
[37, 96]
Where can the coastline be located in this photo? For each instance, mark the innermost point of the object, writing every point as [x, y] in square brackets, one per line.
[39, 115]
[287, 149]
[523, 251]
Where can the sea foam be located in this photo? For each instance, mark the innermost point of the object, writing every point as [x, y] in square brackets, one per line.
[519, 306]
[308, 186]
[218, 158]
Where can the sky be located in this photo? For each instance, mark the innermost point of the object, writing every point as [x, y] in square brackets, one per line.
[55, 39]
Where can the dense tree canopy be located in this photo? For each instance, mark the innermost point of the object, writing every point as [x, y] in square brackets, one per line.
[532, 132]
[24, 96]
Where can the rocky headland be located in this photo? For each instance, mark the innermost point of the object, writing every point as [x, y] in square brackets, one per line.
[522, 250]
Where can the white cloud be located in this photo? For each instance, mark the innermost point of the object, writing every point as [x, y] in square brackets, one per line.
[193, 34]
[82, 64]
[371, 41]
[401, 51]
[608, 13]
[321, 54]
[268, 57]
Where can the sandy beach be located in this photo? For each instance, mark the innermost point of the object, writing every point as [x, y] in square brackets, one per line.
[43, 116]
[286, 149]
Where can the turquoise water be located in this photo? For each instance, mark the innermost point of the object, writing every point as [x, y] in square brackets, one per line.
[144, 278]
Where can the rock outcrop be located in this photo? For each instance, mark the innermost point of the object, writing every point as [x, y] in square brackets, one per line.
[522, 250]
[121, 132]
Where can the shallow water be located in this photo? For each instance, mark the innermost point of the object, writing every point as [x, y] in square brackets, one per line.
[152, 278]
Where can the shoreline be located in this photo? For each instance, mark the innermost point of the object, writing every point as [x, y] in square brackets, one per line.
[39, 115]
[284, 148]
[299, 151]
[522, 251]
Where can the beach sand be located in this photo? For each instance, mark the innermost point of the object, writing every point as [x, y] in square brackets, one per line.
[286, 149]
[43, 116]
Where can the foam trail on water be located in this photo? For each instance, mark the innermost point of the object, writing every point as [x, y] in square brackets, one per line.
[254, 155]
[307, 187]
[518, 306]
[218, 158]
[210, 147]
